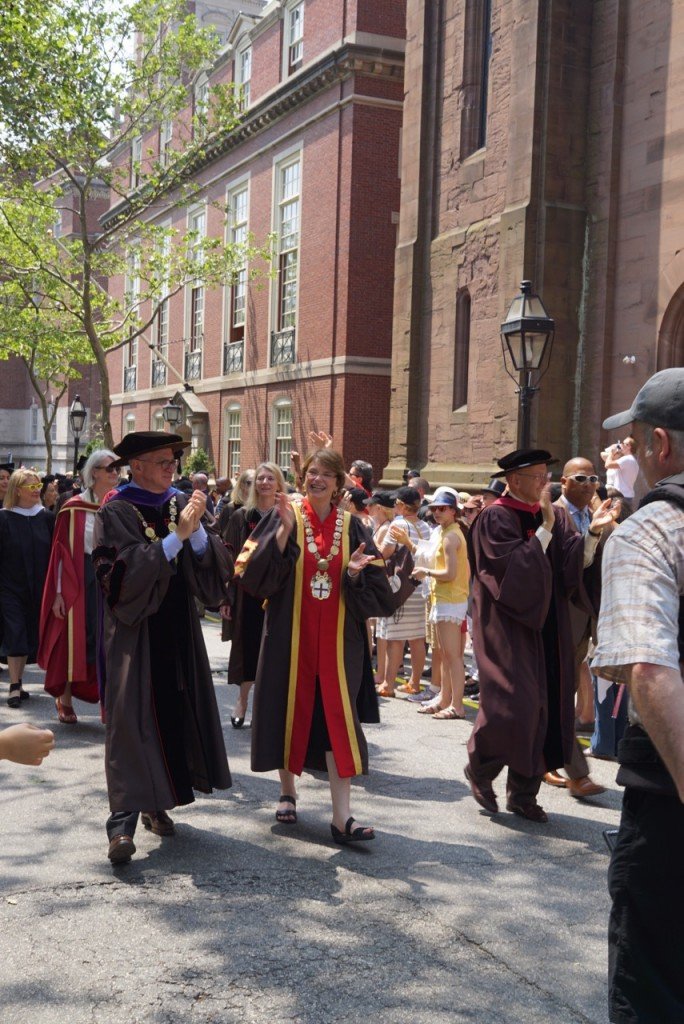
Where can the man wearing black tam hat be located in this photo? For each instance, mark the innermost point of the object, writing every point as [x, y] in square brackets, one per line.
[528, 561]
[153, 557]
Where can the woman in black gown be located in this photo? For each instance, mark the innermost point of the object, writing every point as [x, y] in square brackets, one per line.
[25, 539]
[243, 614]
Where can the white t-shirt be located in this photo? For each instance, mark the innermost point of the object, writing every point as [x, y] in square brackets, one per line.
[624, 476]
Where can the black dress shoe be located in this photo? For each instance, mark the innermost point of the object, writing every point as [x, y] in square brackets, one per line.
[237, 723]
[482, 791]
[528, 809]
[121, 849]
[158, 822]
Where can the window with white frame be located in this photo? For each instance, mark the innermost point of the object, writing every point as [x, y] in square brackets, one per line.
[158, 421]
[202, 104]
[233, 429]
[239, 211]
[287, 227]
[161, 323]
[33, 423]
[165, 140]
[243, 76]
[294, 37]
[282, 434]
[132, 305]
[53, 428]
[129, 423]
[136, 161]
[197, 221]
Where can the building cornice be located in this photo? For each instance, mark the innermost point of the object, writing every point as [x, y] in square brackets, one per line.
[338, 65]
[312, 369]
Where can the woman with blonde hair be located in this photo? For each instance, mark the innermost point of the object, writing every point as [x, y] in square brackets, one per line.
[243, 616]
[25, 539]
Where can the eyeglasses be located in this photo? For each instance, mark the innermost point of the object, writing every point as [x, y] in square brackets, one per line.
[32, 487]
[312, 474]
[582, 478]
[108, 467]
[534, 476]
[165, 464]
[441, 508]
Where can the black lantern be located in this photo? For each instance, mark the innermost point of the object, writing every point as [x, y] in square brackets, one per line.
[172, 413]
[77, 417]
[526, 341]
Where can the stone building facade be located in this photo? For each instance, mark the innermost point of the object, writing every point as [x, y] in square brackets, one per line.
[541, 140]
[315, 161]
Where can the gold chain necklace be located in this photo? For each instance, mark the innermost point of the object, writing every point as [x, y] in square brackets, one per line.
[149, 530]
[321, 583]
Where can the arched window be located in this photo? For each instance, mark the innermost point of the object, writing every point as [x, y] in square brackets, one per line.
[476, 55]
[461, 348]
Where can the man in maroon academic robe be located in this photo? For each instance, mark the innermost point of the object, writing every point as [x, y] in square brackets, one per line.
[528, 563]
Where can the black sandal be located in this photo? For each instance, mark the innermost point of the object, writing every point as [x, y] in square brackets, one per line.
[287, 817]
[352, 835]
[14, 702]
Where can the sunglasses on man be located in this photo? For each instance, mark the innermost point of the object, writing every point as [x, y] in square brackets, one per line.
[582, 478]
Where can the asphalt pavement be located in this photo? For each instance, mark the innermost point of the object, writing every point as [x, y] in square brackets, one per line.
[448, 916]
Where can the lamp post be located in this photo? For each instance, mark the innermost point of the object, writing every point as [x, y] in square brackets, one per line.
[77, 418]
[526, 340]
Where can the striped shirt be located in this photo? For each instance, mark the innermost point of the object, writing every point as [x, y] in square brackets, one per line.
[643, 581]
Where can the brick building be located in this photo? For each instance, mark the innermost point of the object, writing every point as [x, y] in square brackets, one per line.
[541, 141]
[315, 160]
[21, 419]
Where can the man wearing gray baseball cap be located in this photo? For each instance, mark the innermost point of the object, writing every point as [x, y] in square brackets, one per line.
[639, 643]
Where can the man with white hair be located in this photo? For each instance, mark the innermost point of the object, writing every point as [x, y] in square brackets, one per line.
[153, 557]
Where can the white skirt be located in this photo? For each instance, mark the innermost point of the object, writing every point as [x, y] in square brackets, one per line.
[407, 623]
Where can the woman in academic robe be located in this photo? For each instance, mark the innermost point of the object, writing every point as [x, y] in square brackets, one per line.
[322, 577]
[25, 538]
[69, 608]
[243, 615]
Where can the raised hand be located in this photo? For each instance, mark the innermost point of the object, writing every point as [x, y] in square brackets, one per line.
[285, 511]
[319, 439]
[546, 507]
[605, 514]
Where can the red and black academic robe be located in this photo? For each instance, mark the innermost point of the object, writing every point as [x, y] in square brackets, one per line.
[63, 651]
[523, 639]
[314, 682]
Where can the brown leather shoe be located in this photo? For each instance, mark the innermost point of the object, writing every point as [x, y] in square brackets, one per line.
[121, 849]
[554, 779]
[529, 809]
[482, 791]
[584, 787]
[158, 822]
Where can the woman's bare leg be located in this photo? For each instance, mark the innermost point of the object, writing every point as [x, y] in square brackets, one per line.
[340, 792]
[451, 641]
[287, 788]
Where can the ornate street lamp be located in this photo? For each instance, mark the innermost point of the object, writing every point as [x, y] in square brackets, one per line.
[526, 341]
[77, 417]
[172, 413]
